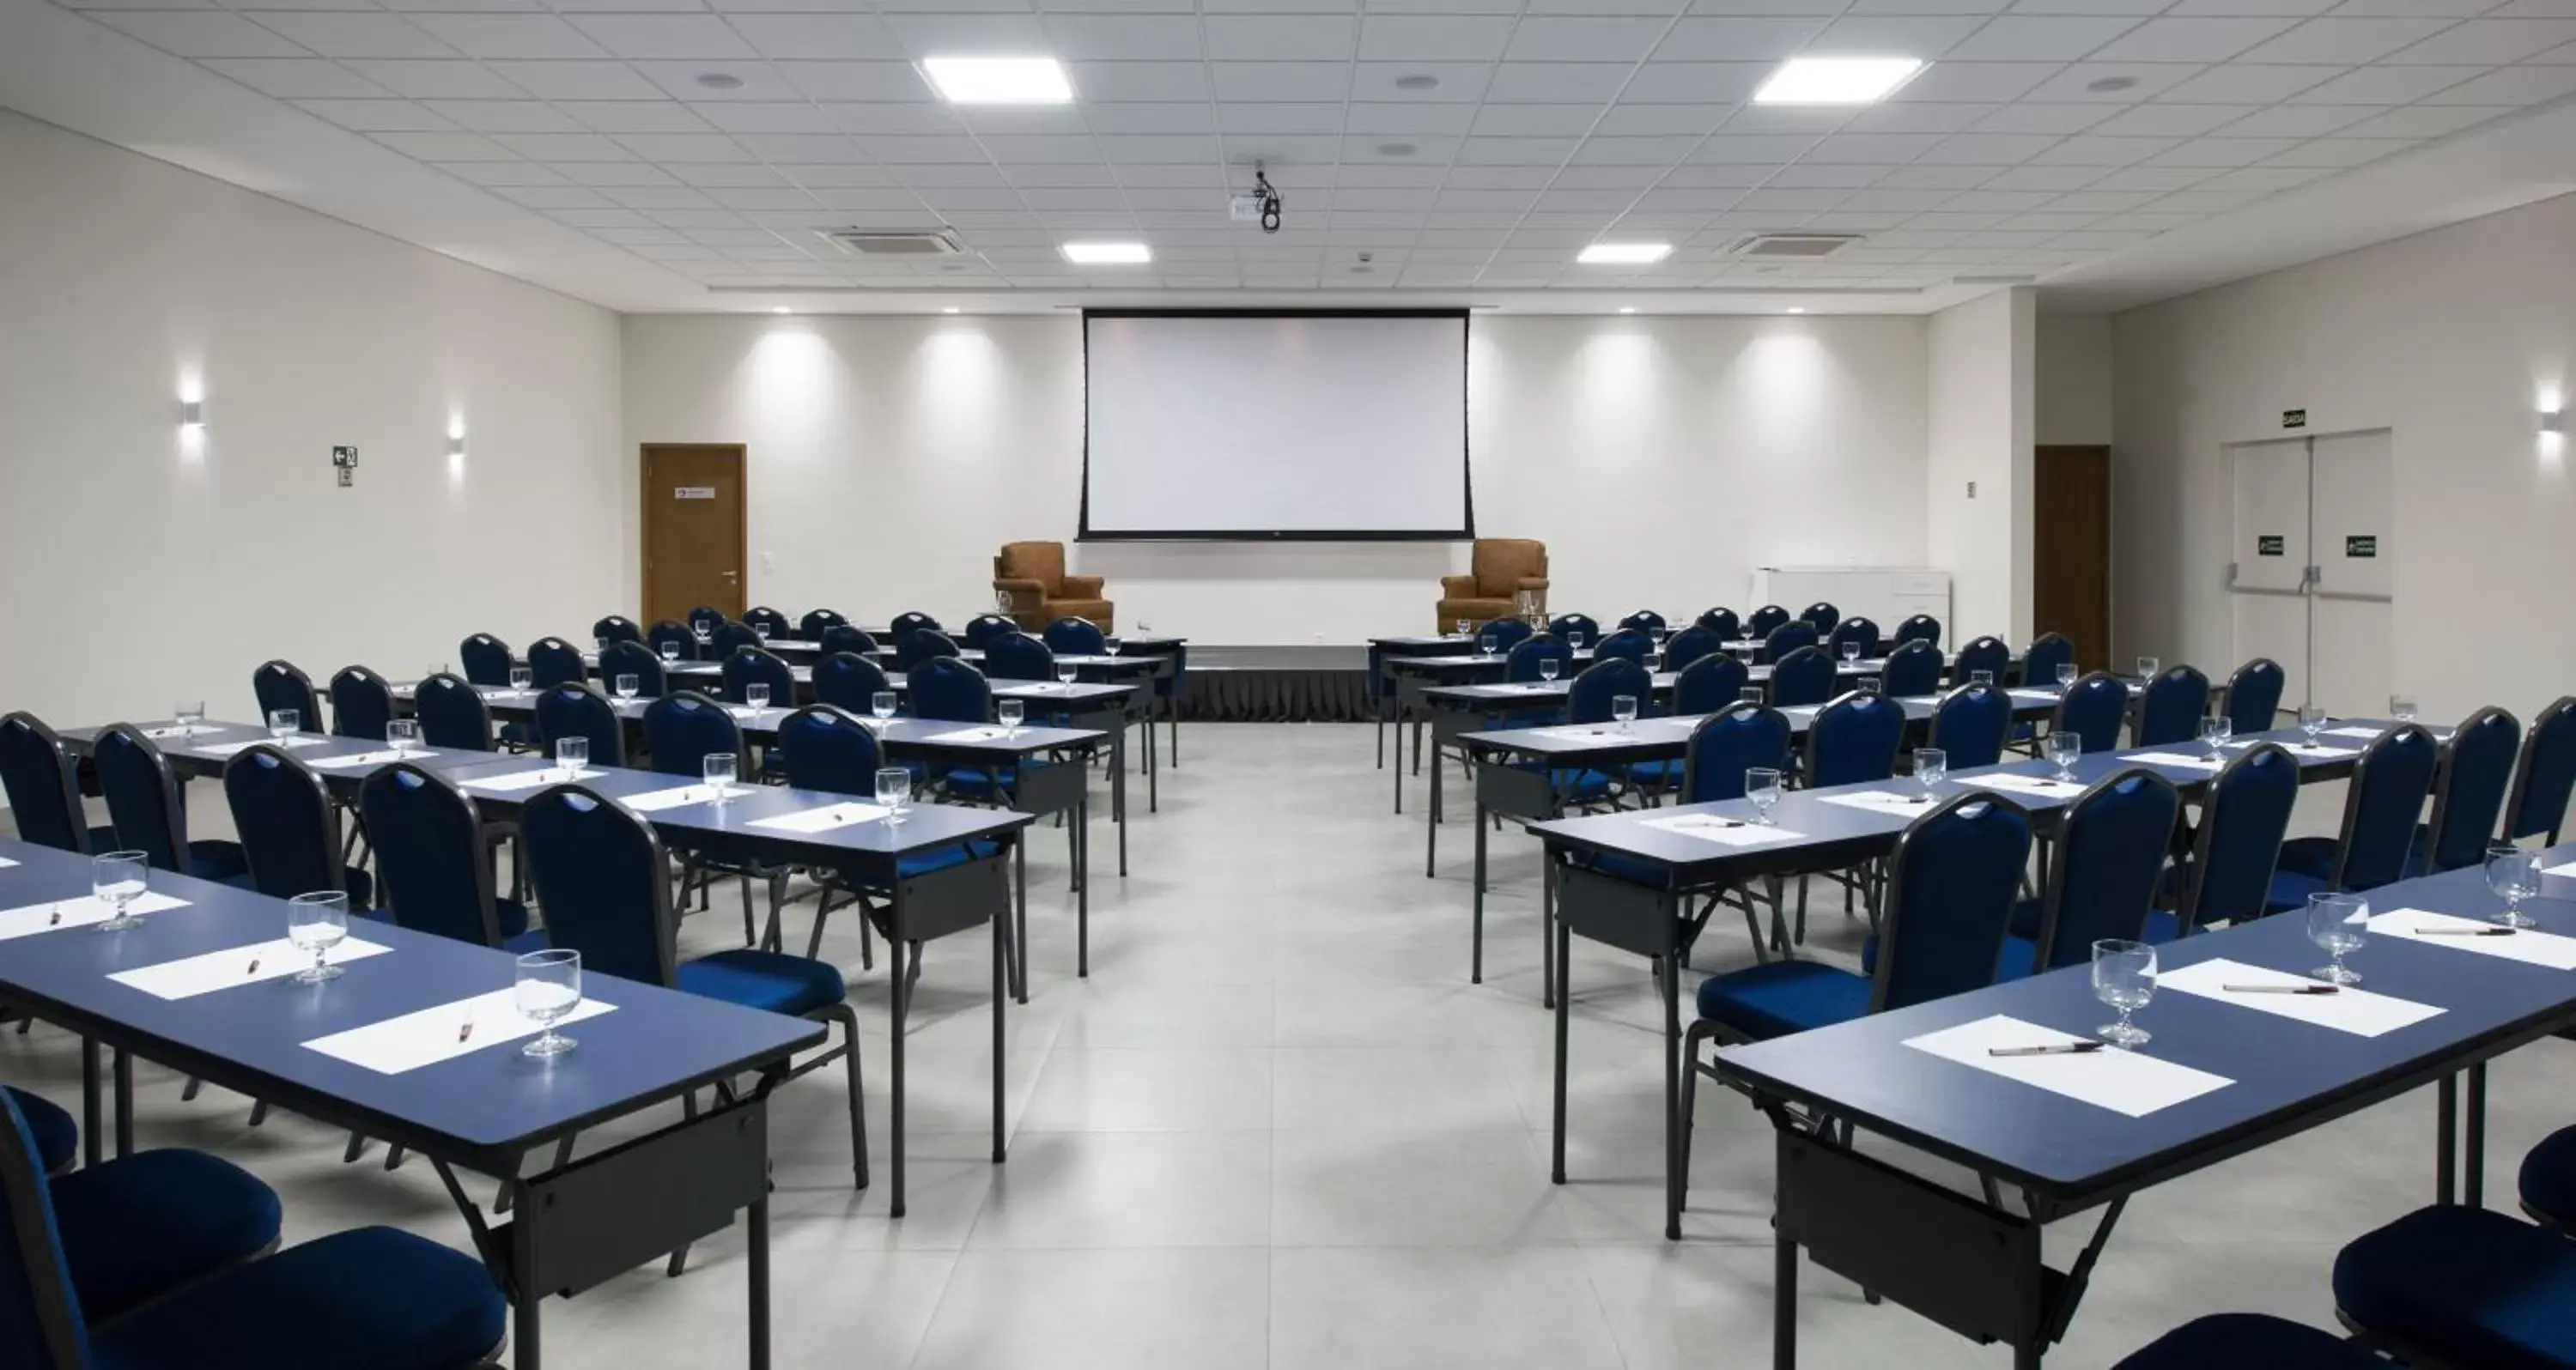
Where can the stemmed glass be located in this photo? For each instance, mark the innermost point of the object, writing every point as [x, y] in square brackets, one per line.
[1623, 710]
[1110, 645]
[2065, 674]
[628, 686]
[670, 652]
[1930, 765]
[1548, 667]
[761, 631]
[191, 714]
[2339, 923]
[2147, 667]
[284, 723]
[2124, 977]
[757, 696]
[403, 735]
[718, 770]
[894, 790]
[1064, 677]
[2312, 720]
[2064, 748]
[1461, 626]
[2214, 732]
[703, 630]
[571, 754]
[2514, 874]
[1981, 677]
[548, 990]
[1488, 645]
[1762, 787]
[1010, 712]
[1750, 694]
[316, 923]
[881, 705]
[117, 878]
[2402, 708]
[1574, 640]
[1851, 653]
[520, 679]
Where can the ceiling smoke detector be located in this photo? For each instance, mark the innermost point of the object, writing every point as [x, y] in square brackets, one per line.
[719, 80]
[1419, 80]
[870, 242]
[2111, 84]
[1791, 246]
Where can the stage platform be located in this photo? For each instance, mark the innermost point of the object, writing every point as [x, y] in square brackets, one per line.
[1319, 684]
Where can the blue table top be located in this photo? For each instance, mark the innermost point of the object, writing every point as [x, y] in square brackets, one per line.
[2285, 1073]
[657, 1043]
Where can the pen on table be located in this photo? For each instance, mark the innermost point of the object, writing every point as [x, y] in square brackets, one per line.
[2053, 1049]
[1708, 821]
[2282, 989]
[254, 967]
[2464, 932]
[56, 918]
[466, 1030]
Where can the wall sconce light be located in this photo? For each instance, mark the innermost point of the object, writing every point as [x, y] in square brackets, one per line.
[456, 444]
[2553, 420]
[192, 413]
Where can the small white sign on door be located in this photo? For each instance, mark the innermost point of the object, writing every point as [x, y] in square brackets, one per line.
[693, 492]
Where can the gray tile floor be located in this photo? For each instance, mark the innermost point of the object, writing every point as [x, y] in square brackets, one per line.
[1278, 1127]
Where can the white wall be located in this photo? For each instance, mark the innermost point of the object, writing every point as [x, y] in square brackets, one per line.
[2449, 339]
[2072, 371]
[1982, 425]
[1661, 459]
[145, 564]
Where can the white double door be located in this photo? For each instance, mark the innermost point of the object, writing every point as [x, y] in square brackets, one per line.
[2312, 569]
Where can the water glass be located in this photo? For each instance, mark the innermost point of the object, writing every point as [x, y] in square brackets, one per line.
[757, 696]
[1870, 685]
[2339, 923]
[719, 769]
[548, 990]
[1488, 645]
[1762, 787]
[2514, 874]
[403, 735]
[1111, 645]
[2214, 732]
[191, 714]
[1851, 653]
[2312, 720]
[1750, 694]
[285, 723]
[881, 705]
[1548, 667]
[1981, 677]
[1461, 626]
[2065, 674]
[1064, 675]
[2063, 750]
[2147, 667]
[761, 631]
[628, 686]
[894, 790]
[1010, 712]
[571, 754]
[1930, 765]
[2402, 708]
[520, 679]
[2124, 977]
[316, 923]
[117, 878]
[1623, 710]
[703, 629]
[670, 652]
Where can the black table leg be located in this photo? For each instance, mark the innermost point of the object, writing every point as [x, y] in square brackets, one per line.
[898, 1002]
[124, 1074]
[1018, 936]
[525, 1298]
[757, 1292]
[93, 1124]
[2474, 1164]
[1563, 940]
[1669, 968]
[2446, 1110]
[1153, 784]
[998, 1010]
[1431, 820]
[1118, 794]
[1082, 896]
[1398, 772]
[1784, 1303]
[1476, 963]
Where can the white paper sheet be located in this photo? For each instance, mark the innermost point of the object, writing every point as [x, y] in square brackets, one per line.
[678, 796]
[824, 819]
[232, 967]
[2123, 1081]
[970, 735]
[382, 758]
[1728, 832]
[2357, 1011]
[2035, 696]
[443, 1033]
[532, 780]
[2568, 870]
[2527, 945]
[170, 730]
[6, 863]
[1580, 732]
[1801, 713]
[293, 741]
[1881, 801]
[2039, 785]
[2357, 730]
[2320, 752]
[2200, 762]
[744, 711]
[78, 911]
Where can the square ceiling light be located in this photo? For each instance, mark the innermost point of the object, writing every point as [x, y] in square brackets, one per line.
[1624, 254]
[1108, 254]
[999, 80]
[1836, 80]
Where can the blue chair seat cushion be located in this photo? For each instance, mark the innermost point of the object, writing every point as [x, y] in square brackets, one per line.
[142, 1225]
[768, 980]
[2313, 857]
[2549, 1179]
[2466, 1286]
[1782, 997]
[217, 861]
[2248, 1341]
[375, 1296]
[102, 839]
[513, 917]
[57, 1134]
[2162, 926]
[2290, 891]
[944, 858]
[1573, 786]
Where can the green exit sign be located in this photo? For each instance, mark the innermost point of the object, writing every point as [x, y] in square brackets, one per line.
[2294, 418]
[2271, 545]
[2361, 547]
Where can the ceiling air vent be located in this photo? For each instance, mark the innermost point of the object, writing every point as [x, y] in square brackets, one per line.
[865, 242]
[1803, 247]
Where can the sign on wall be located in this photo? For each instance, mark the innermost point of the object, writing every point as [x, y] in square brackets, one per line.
[2271, 545]
[693, 492]
[2361, 546]
[2294, 418]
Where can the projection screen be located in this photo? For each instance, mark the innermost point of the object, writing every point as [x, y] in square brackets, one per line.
[1285, 425]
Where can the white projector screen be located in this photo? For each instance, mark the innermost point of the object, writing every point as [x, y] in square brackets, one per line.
[1269, 426]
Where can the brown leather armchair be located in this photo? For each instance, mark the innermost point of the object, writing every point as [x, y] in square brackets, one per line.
[1030, 584]
[1500, 572]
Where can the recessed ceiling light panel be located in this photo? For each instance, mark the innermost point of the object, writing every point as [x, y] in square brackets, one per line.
[1108, 254]
[1624, 254]
[1836, 80]
[999, 80]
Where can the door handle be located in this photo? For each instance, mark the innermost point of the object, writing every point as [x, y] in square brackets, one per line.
[733, 575]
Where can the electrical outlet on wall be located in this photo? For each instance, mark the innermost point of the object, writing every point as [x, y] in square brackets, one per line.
[769, 561]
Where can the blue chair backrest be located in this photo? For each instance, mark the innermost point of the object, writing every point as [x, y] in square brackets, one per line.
[846, 637]
[2109, 864]
[552, 661]
[2172, 707]
[817, 622]
[1971, 724]
[1787, 638]
[2254, 696]
[485, 659]
[1587, 700]
[288, 830]
[683, 728]
[599, 874]
[1729, 743]
[749, 666]
[635, 659]
[1713, 682]
[1076, 637]
[1506, 633]
[361, 704]
[1721, 621]
[1564, 625]
[732, 638]
[431, 874]
[1856, 630]
[2382, 803]
[1520, 662]
[1804, 676]
[279, 685]
[920, 645]
[764, 619]
[708, 616]
[912, 621]
[453, 716]
[1989, 654]
[1821, 616]
[1950, 892]
[2048, 651]
[672, 633]
[849, 681]
[1689, 645]
[41, 1323]
[1764, 619]
[1646, 619]
[1913, 670]
[142, 799]
[1018, 656]
[983, 628]
[1633, 643]
[1854, 739]
[43, 789]
[617, 628]
[1169, 686]
[829, 749]
[1920, 628]
[2244, 817]
[2468, 792]
[2093, 709]
[2546, 779]
[576, 708]
[944, 687]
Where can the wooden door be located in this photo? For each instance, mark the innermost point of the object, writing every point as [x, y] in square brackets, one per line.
[2071, 550]
[694, 531]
